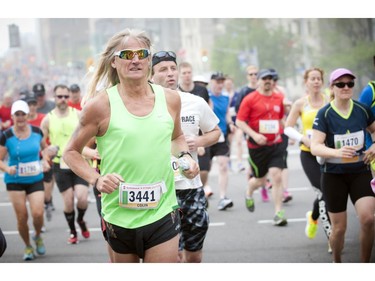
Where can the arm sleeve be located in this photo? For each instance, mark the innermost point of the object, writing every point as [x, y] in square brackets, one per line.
[293, 134]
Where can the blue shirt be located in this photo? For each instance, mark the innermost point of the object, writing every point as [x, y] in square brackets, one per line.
[367, 97]
[221, 105]
[22, 152]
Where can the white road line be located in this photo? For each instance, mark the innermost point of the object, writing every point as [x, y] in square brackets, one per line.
[289, 220]
[217, 224]
[5, 204]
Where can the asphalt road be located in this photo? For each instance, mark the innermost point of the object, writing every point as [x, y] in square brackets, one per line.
[235, 236]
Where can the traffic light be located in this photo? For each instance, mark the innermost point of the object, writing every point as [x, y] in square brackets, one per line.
[14, 36]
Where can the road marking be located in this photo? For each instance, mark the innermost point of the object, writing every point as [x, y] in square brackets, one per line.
[289, 220]
[6, 204]
[217, 224]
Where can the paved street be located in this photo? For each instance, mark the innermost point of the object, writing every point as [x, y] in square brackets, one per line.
[235, 236]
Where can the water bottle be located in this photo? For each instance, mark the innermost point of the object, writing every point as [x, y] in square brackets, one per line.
[183, 164]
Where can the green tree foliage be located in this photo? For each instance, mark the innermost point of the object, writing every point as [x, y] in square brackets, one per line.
[252, 41]
[348, 43]
[341, 42]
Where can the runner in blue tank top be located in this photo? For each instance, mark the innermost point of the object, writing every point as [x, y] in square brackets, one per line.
[24, 174]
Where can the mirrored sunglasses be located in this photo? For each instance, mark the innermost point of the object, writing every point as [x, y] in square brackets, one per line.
[130, 54]
[164, 54]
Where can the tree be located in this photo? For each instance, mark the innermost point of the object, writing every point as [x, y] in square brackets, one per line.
[255, 41]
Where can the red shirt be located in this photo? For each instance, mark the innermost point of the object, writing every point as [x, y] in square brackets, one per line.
[37, 121]
[263, 111]
[75, 105]
[5, 115]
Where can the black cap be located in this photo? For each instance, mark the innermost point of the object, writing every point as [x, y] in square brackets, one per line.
[264, 73]
[75, 88]
[274, 74]
[163, 56]
[23, 94]
[218, 76]
[39, 89]
[30, 97]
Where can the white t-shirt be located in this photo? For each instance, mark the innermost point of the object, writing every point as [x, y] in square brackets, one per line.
[196, 115]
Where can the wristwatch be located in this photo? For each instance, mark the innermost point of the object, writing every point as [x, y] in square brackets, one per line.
[182, 153]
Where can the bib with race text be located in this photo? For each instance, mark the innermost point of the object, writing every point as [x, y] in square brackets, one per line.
[141, 196]
[268, 126]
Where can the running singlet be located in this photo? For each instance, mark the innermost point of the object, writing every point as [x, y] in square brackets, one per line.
[346, 130]
[60, 131]
[307, 118]
[139, 149]
[23, 153]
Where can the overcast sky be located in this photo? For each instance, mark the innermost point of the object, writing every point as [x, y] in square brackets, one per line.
[19, 11]
[25, 25]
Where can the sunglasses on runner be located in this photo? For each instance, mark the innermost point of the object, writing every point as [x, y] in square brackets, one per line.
[164, 54]
[342, 85]
[130, 54]
[62, 96]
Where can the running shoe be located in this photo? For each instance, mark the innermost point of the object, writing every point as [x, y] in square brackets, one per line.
[84, 230]
[29, 254]
[268, 184]
[48, 208]
[40, 249]
[279, 218]
[250, 204]
[224, 203]
[287, 196]
[264, 194]
[311, 226]
[240, 167]
[73, 239]
[44, 229]
[329, 248]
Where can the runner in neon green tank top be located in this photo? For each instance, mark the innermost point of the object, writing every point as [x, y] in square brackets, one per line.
[137, 127]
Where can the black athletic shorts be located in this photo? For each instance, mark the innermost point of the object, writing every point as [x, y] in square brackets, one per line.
[204, 161]
[265, 157]
[338, 187]
[29, 188]
[47, 176]
[65, 178]
[138, 240]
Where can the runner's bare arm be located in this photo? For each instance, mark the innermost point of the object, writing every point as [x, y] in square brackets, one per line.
[92, 119]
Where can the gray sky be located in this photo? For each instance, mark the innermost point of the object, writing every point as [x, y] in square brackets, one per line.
[25, 25]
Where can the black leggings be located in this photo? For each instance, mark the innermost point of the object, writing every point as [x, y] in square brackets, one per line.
[312, 170]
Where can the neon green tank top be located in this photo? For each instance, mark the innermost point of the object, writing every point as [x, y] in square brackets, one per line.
[307, 118]
[139, 149]
[61, 129]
